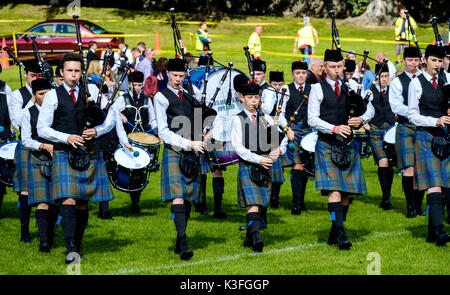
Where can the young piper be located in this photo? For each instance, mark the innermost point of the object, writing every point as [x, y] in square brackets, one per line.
[39, 186]
[255, 159]
[383, 119]
[180, 173]
[338, 170]
[404, 138]
[19, 105]
[428, 109]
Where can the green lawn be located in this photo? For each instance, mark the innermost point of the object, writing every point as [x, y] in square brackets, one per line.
[293, 244]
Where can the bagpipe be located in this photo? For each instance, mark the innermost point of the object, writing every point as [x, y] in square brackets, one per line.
[45, 71]
[413, 33]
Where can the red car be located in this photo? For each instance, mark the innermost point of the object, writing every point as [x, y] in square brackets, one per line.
[57, 46]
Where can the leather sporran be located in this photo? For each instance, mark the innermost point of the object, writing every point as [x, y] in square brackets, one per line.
[340, 155]
[79, 158]
[46, 168]
[258, 174]
[189, 164]
[440, 146]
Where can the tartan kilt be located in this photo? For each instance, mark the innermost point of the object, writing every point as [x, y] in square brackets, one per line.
[404, 145]
[292, 157]
[248, 192]
[277, 171]
[376, 136]
[20, 178]
[204, 164]
[429, 170]
[89, 185]
[173, 183]
[39, 187]
[329, 177]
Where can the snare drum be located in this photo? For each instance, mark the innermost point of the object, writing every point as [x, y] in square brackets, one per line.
[131, 172]
[307, 150]
[220, 154]
[7, 152]
[361, 141]
[389, 144]
[151, 143]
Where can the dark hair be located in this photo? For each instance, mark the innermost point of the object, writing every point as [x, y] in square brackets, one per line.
[92, 43]
[71, 57]
[142, 43]
[161, 65]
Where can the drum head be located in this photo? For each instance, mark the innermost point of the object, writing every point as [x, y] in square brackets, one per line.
[143, 138]
[8, 150]
[125, 158]
[389, 135]
[309, 141]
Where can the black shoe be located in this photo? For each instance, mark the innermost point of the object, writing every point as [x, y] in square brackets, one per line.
[44, 247]
[332, 237]
[411, 213]
[220, 215]
[202, 209]
[443, 239]
[258, 244]
[386, 205]
[296, 211]
[421, 213]
[105, 215]
[248, 242]
[243, 227]
[303, 208]
[185, 252]
[343, 241]
[135, 208]
[274, 204]
[25, 235]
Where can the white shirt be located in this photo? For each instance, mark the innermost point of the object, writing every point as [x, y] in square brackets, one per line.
[238, 146]
[128, 55]
[392, 69]
[396, 97]
[414, 95]
[27, 141]
[316, 98]
[161, 104]
[15, 109]
[49, 105]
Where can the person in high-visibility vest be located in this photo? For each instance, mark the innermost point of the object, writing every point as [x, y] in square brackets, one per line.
[403, 32]
[202, 39]
[254, 42]
[306, 39]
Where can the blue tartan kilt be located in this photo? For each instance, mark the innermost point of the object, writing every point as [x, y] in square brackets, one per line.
[277, 171]
[376, 141]
[404, 145]
[248, 193]
[20, 178]
[174, 184]
[204, 164]
[89, 185]
[329, 177]
[292, 156]
[429, 170]
[39, 187]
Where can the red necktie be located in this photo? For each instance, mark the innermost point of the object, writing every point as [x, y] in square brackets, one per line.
[336, 89]
[301, 89]
[180, 94]
[434, 82]
[383, 92]
[72, 93]
[414, 75]
[254, 119]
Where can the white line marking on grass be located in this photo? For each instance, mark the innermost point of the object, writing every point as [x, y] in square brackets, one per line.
[238, 256]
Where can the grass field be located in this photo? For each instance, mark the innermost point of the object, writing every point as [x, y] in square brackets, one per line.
[143, 244]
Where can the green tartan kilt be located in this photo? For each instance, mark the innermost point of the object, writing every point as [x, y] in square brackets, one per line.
[248, 193]
[329, 177]
[376, 136]
[277, 171]
[429, 170]
[404, 145]
[39, 187]
[20, 177]
[292, 157]
[89, 185]
[173, 183]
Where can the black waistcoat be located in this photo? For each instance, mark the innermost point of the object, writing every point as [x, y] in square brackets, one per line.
[333, 109]
[295, 99]
[5, 121]
[383, 112]
[130, 111]
[26, 95]
[432, 102]
[255, 137]
[404, 80]
[178, 107]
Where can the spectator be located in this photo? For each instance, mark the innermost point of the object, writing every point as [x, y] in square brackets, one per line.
[316, 71]
[202, 40]
[254, 42]
[113, 59]
[127, 52]
[91, 55]
[150, 86]
[392, 69]
[306, 39]
[190, 60]
[402, 33]
[58, 76]
[123, 60]
[136, 52]
[94, 72]
[145, 66]
[351, 54]
[369, 75]
[161, 73]
[142, 48]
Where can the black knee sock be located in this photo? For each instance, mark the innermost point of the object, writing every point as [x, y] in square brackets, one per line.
[68, 224]
[384, 176]
[336, 213]
[135, 197]
[253, 222]
[264, 214]
[408, 188]
[42, 219]
[53, 212]
[434, 201]
[2, 193]
[24, 212]
[82, 217]
[187, 206]
[418, 200]
[179, 218]
[218, 189]
[103, 207]
[447, 200]
[298, 185]
[275, 190]
[345, 211]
